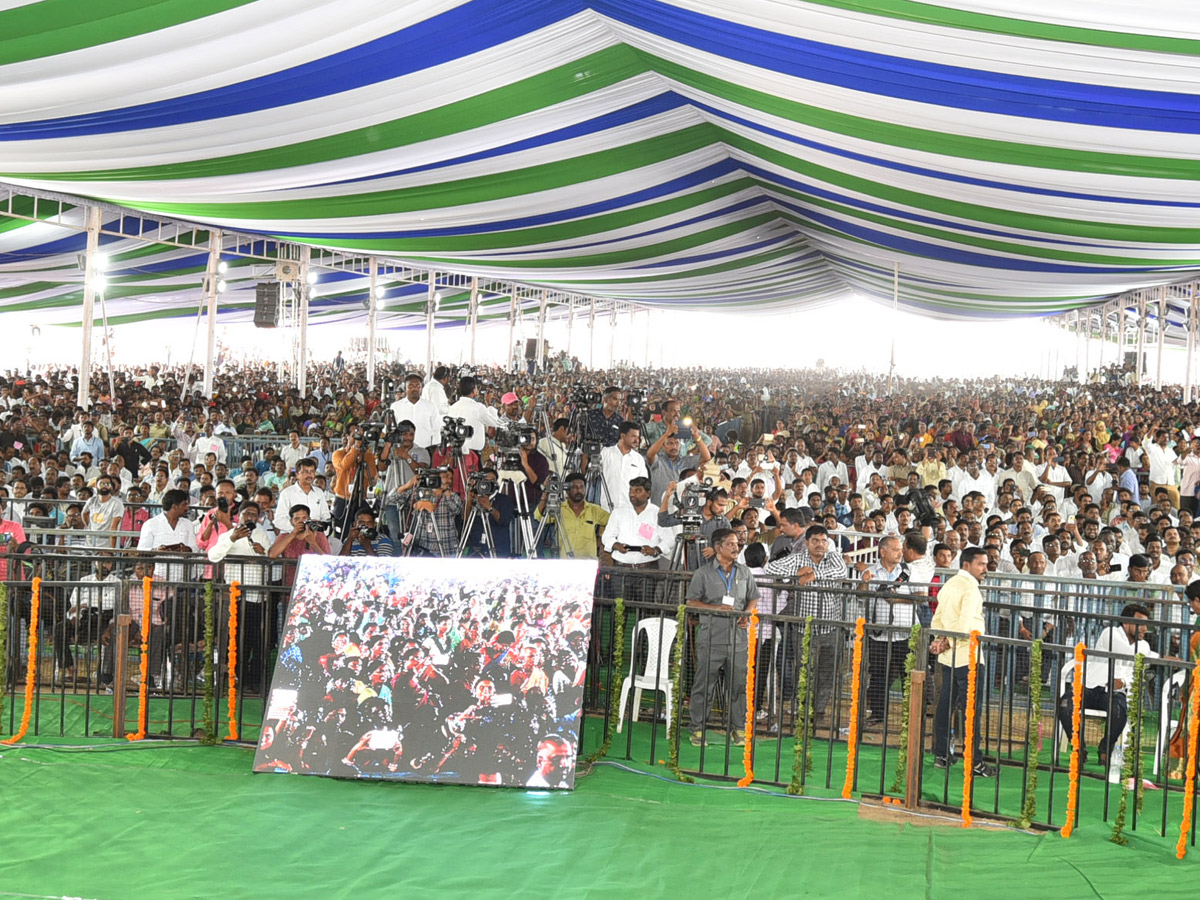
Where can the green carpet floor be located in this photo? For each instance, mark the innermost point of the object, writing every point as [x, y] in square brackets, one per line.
[149, 821]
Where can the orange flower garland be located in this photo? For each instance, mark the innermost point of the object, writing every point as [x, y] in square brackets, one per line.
[852, 738]
[748, 734]
[31, 665]
[969, 728]
[144, 664]
[1076, 725]
[1189, 795]
[235, 593]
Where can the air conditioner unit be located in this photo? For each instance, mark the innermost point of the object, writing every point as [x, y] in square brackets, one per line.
[287, 270]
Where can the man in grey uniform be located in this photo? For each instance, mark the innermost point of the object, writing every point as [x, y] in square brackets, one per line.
[721, 640]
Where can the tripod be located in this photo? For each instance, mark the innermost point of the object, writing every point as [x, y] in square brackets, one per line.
[687, 553]
[357, 496]
[515, 482]
[553, 517]
[478, 513]
[419, 518]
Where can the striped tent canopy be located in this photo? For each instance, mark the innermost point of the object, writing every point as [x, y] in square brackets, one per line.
[1011, 158]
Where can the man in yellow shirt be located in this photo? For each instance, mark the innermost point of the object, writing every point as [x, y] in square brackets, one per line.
[959, 611]
[581, 522]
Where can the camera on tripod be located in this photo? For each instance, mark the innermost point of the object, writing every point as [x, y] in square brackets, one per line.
[428, 481]
[553, 493]
[638, 412]
[922, 508]
[479, 484]
[455, 432]
[509, 441]
[694, 497]
[581, 396]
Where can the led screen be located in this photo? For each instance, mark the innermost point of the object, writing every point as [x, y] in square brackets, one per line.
[415, 669]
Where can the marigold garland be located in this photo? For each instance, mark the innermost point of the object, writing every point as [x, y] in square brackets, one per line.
[1033, 734]
[1128, 772]
[3, 646]
[852, 738]
[969, 727]
[1076, 736]
[1189, 793]
[748, 735]
[618, 666]
[910, 664]
[31, 664]
[210, 716]
[801, 761]
[677, 694]
[235, 594]
[143, 663]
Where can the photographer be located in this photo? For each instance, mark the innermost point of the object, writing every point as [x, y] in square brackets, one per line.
[302, 493]
[436, 532]
[301, 539]
[243, 549]
[346, 461]
[525, 488]
[473, 413]
[558, 446]
[666, 460]
[712, 512]
[581, 521]
[365, 539]
[404, 461]
[483, 493]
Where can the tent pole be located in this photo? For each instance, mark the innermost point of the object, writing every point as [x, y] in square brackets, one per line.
[372, 317]
[1141, 343]
[1087, 348]
[302, 360]
[211, 274]
[83, 398]
[512, 325]
[592, 337]
[430, 304]
[1192, 346]
[570, 323]
[1103, 333]
[1162, 335]
[112, 384]
[646, 356]
[540, 356]
[1078, 347]
[895, 316]
[474, 314]
[612, 338]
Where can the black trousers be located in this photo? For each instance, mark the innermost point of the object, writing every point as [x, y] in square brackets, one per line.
[1097, 698]
[952, 693]
[885, 664]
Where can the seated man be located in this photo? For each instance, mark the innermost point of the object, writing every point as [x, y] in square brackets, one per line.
[1106, 681]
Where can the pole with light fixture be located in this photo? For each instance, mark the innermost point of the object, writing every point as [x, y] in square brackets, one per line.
[93, 279]
[214, 284]
[372, 314]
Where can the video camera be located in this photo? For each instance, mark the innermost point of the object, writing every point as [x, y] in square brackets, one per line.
[428, 481]
[455, 431]
[480, 485]
[923, 510]
[509, 441]
[636, 400]
[581, 396]
[694, 497]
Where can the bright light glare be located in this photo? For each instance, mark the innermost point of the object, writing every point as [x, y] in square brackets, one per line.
[312, 277]
[222, 267]
[99, 262]
[221, 285]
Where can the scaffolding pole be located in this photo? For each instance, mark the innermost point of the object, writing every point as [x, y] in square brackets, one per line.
[1162, 335]
[474, 315]
[430, 306]
[211, 276]
[372, 318]
[305, 289]
[83, 398]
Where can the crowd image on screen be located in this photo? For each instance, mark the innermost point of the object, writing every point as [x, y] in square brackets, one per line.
[428, 674]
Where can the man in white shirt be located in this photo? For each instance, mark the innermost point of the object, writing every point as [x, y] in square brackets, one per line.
[472, 412]
[1098, 692]
[293, 452]
[304, 492]
[170, 532]
[1054, 477]
[619, 465]
[975, 480]
[1098, 479]
[208, 443]
[633, 538]
[435, 391]
[1023, 474]
[1161, 458]
[833, 466]
[411, 406]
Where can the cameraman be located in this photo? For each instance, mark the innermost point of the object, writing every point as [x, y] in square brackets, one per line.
[667, 462]
[301, 540]
[712, 516]
[404, 460]
[243, 550]
[435, 534]
[580, 520]
[526, 492]
[473, 413]
[302, 493]
[345, 461]
[558, 446]
[364, 538]
[497, 506]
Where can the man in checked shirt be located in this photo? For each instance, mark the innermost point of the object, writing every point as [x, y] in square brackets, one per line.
[815, 566]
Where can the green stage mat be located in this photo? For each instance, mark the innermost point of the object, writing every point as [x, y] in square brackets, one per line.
[149, 821]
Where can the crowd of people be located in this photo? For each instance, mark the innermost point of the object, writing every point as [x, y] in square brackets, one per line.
[641, 469]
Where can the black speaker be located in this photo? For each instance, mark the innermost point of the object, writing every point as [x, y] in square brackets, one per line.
[266, 305]
[531, 348]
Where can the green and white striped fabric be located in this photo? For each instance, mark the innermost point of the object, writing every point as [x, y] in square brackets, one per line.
[1012, 157]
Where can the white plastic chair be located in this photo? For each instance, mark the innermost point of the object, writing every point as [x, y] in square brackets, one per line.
[656, 669]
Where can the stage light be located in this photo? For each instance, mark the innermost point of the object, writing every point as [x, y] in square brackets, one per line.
[222, 267]
[380, 292]
[312, 277]
[221, 285]
[99, 262]
[99, 283]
